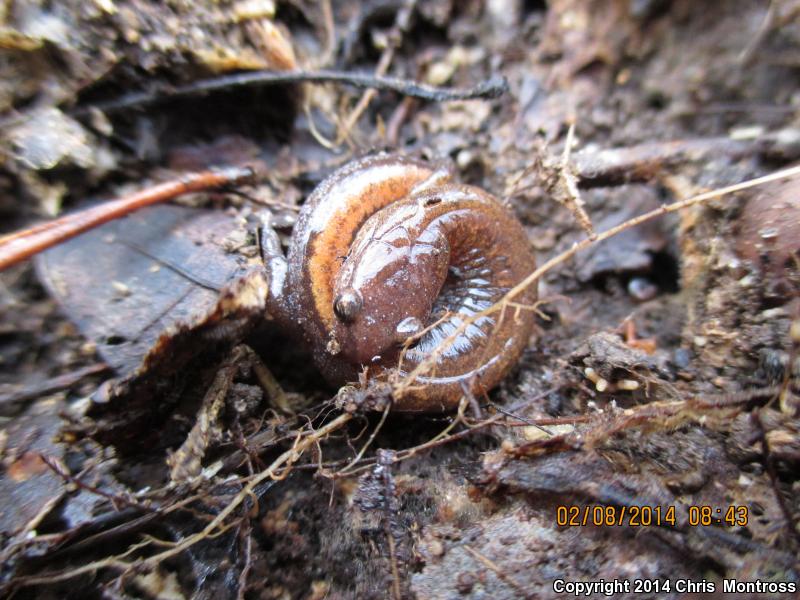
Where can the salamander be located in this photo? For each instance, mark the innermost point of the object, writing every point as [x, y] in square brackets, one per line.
[388, 257]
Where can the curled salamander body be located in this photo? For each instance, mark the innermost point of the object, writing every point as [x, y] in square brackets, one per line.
[386, 260]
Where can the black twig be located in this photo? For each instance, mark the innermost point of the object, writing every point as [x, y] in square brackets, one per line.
[493, 87]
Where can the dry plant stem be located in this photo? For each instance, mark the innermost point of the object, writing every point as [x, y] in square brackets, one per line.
[445, 436]
[408, 381]
[397, 119]
[497, 570]
[746, 56]
[123, 528]
[62, 471]
[246, 533]
[312, 127]
[330, 33]
[271, 386]
[367, 444]
[525, 421]
[16, 247]
[116, 562]
[264, 202]
[573, 199]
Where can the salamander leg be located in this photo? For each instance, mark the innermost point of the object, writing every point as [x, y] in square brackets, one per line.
[276, 267]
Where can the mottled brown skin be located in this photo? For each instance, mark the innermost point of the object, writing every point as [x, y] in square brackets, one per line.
[387, 246]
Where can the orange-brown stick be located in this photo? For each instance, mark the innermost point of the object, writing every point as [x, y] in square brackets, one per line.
[18, 246]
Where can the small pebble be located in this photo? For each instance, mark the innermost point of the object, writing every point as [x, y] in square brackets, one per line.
[642, 289]
[681, 358]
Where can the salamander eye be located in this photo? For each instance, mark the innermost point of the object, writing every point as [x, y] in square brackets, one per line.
[347, 304]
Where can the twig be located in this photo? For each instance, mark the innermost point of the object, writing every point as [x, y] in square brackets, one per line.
[330, 33]
[767, 23]
[246, 533]
[569, 181]
[496, 568]
[21, 245]
[367, 444]
[524, 420]
[445, 436]
[401, 24]
[271, 386]
[397, 119]
[59, 469]
[557, 177]
[494, 87]
[117, 562]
